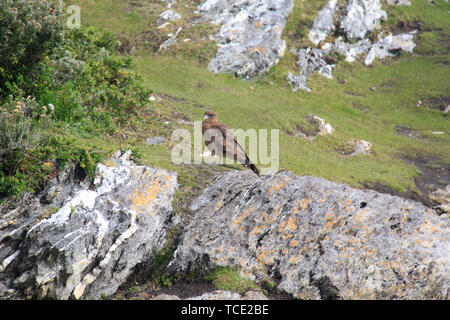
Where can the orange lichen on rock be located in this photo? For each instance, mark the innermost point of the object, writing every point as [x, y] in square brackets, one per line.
[145, 195]
[242, 216]
[276, 188]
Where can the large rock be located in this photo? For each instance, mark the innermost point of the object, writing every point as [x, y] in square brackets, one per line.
[250, 35]
[318, 239]
[362, 17]
[91, 244]
[323, 25]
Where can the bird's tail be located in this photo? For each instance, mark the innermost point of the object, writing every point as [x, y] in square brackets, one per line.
[251, 166]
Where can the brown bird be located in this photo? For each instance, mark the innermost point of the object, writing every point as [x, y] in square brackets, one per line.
[223, 141]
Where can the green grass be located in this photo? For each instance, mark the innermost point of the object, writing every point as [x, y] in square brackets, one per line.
[346, 102]
[229, 279]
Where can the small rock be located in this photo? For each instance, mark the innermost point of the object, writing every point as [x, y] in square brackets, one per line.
[321, 128]
[170, 3]
[361, 147]
[155, 140]
[399, 2]
[443, 197]
[309, 60]
[164, 296]
[165, 24]
[170, 15]
[167, 44]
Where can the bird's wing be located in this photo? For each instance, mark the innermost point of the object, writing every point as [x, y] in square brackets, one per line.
[231, 148]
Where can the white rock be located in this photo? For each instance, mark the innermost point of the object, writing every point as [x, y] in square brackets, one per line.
[170, 15]
[399, 2]
[323, 25]
[362, 17]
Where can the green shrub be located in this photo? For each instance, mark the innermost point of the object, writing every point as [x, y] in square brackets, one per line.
[19, 129]
[96, 87]
[29, 29]
[75, 80]
[21, 125]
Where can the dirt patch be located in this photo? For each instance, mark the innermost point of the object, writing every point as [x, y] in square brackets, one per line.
[185, 289]
[388, 86]
[182, 288]
[435, 176]
[183, 100]
[360, 107]
[440, 103]
[406, 26]
[408, 194]
[408, 132]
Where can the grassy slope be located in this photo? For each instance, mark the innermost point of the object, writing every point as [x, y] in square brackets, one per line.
[346, 102]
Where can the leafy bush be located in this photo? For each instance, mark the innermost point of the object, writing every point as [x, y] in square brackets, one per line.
[19, 128]
[94, 87]
[73, 79]
[28, 30]
[21, 124]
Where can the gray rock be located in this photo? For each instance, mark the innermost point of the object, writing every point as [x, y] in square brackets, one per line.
[443, 197]
[170, 3]
[92, 243]
[170, 15]
[155, 140]
[446, 109]
[352, 50]
[321, 128]
[249, 39]
[318, 238]
[309, 60]
[399, 2]
[324, 23]
[385, 46]
[312, 60]
[362, 17]
[361, 147]
[298, 82]
[218, 295]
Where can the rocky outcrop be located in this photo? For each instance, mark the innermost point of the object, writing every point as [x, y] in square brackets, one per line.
[309, 60]
[90, 245]
[362, 17]
[318, 239]
[324, 23]
[250, 35]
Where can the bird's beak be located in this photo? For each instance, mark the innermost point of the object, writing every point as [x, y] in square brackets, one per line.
[205, 117]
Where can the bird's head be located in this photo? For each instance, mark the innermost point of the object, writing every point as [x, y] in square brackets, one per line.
[209, 114]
